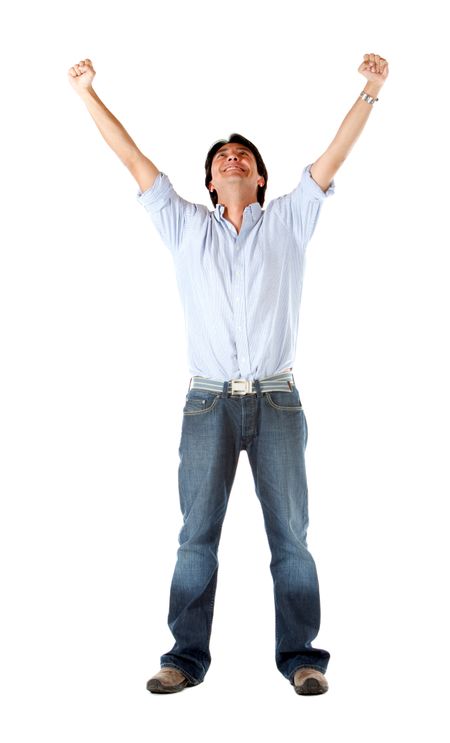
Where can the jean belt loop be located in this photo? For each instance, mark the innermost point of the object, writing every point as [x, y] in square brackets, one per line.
[258, 387]
[225, 389]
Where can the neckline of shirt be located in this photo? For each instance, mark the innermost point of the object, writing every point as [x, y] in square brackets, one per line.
[254, 210]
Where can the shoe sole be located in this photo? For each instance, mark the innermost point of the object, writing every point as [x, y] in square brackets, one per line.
[311, 687]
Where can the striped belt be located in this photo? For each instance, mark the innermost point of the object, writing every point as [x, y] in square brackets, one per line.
[284, 382]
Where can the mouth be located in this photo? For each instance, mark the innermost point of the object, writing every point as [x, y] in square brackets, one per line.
[233, 167]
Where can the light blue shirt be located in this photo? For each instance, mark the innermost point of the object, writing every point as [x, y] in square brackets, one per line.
[241, 291]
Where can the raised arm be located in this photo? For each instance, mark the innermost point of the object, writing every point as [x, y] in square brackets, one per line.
[141, 168]
[375, 69]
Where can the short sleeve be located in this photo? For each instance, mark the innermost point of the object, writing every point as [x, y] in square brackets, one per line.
[168, 211]
[299, 210]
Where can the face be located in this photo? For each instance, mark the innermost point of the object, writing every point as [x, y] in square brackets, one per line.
[234, 163]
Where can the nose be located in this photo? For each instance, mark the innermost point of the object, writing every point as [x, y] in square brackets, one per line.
[232, 157]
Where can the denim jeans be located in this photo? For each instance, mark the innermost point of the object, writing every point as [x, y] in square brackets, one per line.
[272, 428]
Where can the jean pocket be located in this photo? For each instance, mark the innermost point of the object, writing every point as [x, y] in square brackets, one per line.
[200, 401]
[289, 400]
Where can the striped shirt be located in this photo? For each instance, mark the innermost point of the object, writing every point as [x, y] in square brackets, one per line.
[240, 292]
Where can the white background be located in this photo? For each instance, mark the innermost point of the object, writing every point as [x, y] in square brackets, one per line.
[91, 322]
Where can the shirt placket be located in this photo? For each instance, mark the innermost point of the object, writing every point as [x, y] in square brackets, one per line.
[239, 303]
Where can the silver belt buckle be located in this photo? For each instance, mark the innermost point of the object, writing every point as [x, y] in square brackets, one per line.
[241, 386]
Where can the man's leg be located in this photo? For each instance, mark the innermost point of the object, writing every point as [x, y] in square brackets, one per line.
[208, 460]
[277, 459]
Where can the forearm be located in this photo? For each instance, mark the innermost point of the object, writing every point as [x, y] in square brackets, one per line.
[110, 128]
[354, 123]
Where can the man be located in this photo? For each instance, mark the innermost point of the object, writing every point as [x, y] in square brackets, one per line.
[240, 272]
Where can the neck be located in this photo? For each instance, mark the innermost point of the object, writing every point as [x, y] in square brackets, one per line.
[235, 215]
[234, 204]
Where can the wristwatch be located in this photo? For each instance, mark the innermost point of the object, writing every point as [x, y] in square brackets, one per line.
[367, 97]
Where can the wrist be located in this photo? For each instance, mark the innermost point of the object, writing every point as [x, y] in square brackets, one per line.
[86, 92]
[372, 88]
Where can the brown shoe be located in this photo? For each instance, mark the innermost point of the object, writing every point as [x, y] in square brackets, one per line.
[310, 681]
[167, 681]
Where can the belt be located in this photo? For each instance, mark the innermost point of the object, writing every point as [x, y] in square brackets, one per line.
[283, 382]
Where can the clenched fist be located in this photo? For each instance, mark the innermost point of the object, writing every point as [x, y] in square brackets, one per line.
[374, 68]
[81, 75]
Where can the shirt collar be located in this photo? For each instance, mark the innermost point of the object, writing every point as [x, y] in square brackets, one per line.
[252, 210]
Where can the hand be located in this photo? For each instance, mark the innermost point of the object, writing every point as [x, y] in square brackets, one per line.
[374, 68]
[81, 75]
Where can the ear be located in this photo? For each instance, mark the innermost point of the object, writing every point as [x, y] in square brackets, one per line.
[261, 182]
[211, 186]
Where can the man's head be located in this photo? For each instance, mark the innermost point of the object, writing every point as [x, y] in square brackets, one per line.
[235, 160]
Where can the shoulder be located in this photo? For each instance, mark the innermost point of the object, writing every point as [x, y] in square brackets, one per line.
[162, 194]
[306, 191]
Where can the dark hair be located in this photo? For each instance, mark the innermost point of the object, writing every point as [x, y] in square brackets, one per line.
[239, 139]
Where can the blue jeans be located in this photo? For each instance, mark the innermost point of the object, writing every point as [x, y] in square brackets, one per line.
[272, 428]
